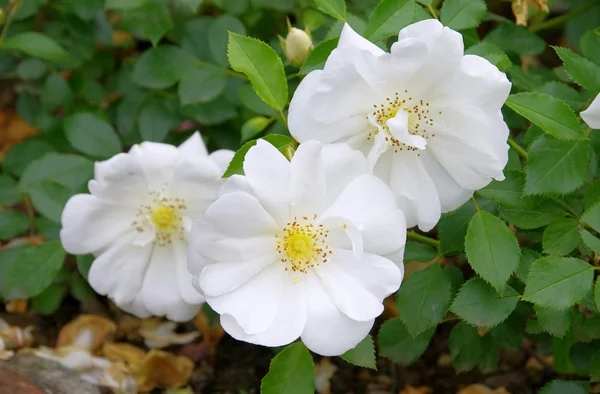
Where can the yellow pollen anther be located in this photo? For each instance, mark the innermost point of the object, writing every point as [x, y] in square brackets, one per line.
[301, 245]
[164, 218]
[164, 214]
[419, 119]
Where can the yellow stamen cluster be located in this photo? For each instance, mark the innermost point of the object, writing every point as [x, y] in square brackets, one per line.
[301, 244]
[419, 119]
[165, 214]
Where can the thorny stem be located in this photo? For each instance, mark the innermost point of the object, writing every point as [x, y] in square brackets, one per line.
[423, 239]
[522, 152]
[562, 18]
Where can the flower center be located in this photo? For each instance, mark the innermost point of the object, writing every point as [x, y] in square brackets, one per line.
[301, 245]
[419, 120]
[165, 215]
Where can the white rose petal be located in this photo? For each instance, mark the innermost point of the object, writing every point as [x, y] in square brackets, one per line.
[299, 249]
[591, 115]
[426, 116]
[136, 221]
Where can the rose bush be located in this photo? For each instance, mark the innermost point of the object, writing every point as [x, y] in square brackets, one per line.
[333, 127]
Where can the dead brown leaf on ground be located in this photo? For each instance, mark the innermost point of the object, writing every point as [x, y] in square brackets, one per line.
[520, 9]
[416, 390]
[14, 130]
[481, 389]
[87, 331]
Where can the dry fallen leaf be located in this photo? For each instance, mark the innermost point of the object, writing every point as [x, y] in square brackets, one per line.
[17, 306]
[163, 369]
[324, 371]
[87, 331]
[159, 334]
[13, 130]
[416, 390]
[13, 338]
[481, 389]
[520, 9]
[211, 335]
[124, 352]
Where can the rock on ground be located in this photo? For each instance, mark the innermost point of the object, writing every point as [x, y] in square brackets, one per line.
[28, 374]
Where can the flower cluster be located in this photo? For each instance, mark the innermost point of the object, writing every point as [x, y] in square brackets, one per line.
[309, 247]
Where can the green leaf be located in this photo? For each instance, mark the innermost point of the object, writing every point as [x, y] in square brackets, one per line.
[561, 237]
[8, 256]
[68, 170]
[282, 142]
[191, 5]
[592, 216]
[462, 14]
[35, 268]
[253, 127]
[152, 19]
[48, 301]
[564, 387]
[479, 304]
[552, 115]
[538, 216]
[12, 223]
[517, 39]
[492, 249]
[452, 227]
[466, 347]
[56, 92]
[508, 192]
[84, 263]
[556, 167]
[49, 198]
[597, 294]
[582, 71]
[563, 92]
[162, 67]
[31, 69]
[81, 290]
[398, 345]
[155, 119]
[363, 354]
[528, 256]
[36, 45]
[423, 299]
[591, 241]
[558, 282]
[123, 4]
[590, 45]
[263, 67]
[92, 135]
[556, 323]
[335, 8]
[22, 154]
[415, 251]
[9, 195]
[218, 33]
[595, 367]
[201, 85]
[317, 57]
[291, 372]
[390, 16]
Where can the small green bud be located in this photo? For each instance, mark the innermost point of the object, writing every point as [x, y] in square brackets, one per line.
[297, 46]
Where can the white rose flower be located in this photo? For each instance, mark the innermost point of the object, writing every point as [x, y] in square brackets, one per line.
[294, 249]
[591, 115]
[136, 222]
[426, 116]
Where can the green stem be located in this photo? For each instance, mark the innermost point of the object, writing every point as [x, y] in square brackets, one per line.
[432, 11]
[522, 152]
[549, 23]
[283, 117]
[11, 10]
[423, 239]
[475, 203]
